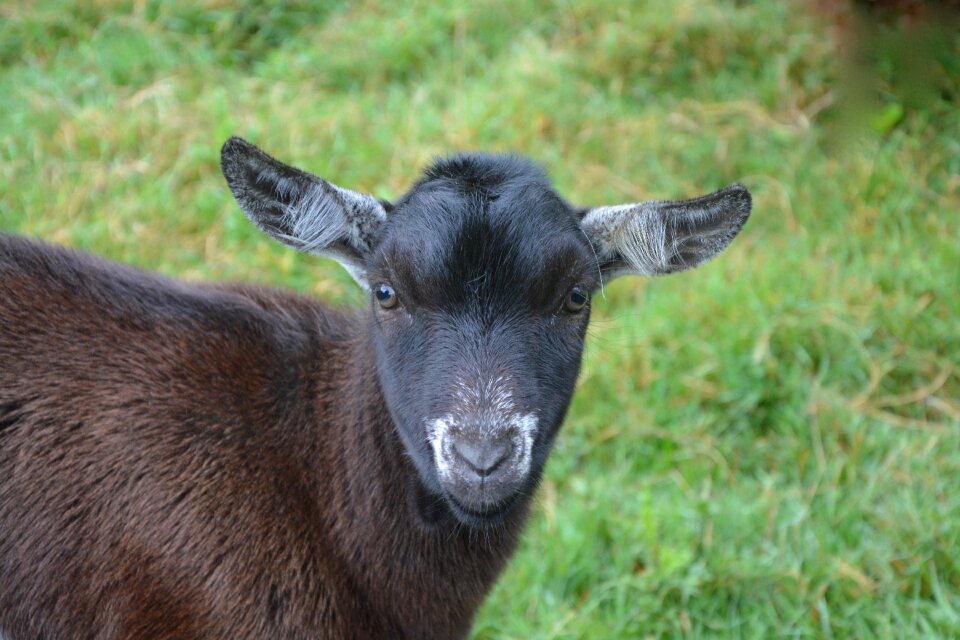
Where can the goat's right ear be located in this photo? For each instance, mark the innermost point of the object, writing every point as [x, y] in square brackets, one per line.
[302, 210]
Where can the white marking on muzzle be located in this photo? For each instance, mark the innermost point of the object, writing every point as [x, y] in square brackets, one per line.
[437, 433]
[524, 424]
[492, 401]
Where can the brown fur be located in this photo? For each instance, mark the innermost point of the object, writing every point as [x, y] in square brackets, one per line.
[194, 461]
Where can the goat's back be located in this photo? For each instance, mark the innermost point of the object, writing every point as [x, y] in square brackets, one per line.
[147, 435]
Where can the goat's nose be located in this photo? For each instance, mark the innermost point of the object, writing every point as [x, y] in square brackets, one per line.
[484, 456]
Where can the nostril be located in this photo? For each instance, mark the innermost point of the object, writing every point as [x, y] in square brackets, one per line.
[486, 456]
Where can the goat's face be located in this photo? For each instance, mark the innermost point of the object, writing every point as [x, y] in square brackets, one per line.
[480, 293]
[480, 280]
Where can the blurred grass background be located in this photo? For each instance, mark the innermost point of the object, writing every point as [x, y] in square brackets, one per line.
[766, 447]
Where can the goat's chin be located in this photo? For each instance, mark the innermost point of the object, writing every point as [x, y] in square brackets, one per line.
[483, 517]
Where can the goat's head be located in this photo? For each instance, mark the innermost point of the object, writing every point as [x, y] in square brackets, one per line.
[480, 280]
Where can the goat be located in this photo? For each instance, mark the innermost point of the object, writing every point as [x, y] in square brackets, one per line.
[230, 462]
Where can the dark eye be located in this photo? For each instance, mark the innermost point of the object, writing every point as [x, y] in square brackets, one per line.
[576, 300]
[386, 296]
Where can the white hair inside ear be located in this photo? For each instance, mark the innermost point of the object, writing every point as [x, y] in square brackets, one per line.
[301, 210]
[660, 237]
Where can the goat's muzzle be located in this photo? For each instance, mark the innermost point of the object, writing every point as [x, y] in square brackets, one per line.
[482, 463]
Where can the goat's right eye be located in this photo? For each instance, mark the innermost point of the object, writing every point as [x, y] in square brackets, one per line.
[386, 296]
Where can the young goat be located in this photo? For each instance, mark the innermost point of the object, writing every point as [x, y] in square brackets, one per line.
[227, 462]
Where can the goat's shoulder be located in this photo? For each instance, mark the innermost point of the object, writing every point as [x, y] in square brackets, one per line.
[69, 319]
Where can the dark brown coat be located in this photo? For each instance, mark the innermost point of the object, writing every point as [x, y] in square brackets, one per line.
[190, 461]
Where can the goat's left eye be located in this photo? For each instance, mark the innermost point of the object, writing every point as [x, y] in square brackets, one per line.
[576, 300]
[386, 296]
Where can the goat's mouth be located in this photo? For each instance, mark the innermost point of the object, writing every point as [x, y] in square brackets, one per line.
[483, 516]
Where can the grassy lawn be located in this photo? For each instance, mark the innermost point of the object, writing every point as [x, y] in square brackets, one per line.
[766, 447]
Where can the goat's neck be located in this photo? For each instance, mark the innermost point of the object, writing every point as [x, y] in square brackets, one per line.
[414, 562]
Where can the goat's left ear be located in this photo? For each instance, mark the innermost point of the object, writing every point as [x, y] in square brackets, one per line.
[302, 210]
[656, 238]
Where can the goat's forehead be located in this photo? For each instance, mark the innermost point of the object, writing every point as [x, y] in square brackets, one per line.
[449, 236]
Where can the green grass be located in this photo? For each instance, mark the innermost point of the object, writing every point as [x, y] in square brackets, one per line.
[766, 447]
